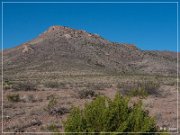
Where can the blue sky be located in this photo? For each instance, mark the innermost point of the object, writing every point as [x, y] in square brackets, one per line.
[149, 26]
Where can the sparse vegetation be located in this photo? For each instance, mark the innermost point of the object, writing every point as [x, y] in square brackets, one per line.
[53, 84]
[24, 86]
[13, 97]
[105, 115]
[31, 98]
[52, 103]
[138, 92]
[171, 83]
[51, 97]
[98, 86]
[58, 111]
[7, 85]
[86, 94]
[139, 88]
[52, 107]
[53, 128]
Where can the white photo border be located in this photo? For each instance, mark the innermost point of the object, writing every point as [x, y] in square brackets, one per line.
[177, 41]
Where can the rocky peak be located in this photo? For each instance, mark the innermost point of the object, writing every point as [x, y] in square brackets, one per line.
[54, 32]
[131, 46]
[55, 27]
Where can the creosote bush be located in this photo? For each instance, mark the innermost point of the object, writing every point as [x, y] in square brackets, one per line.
[25, 86]
[53, 128]
[98, 86]
[51, 84]
[52, 107]
[139, 88]
[106, 115]
[86, 94]
[13, 97]
[7, 85]
[51, 104]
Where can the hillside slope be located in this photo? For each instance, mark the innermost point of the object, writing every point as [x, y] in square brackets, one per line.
[65, 49]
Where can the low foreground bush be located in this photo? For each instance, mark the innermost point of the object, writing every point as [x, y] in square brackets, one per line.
[105, 115]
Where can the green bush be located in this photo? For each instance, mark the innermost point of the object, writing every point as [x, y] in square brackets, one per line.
[26, 86]
[105, 115]
[13, 97]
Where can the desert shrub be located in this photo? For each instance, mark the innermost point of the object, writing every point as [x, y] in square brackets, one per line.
[86, 94]
[54, 85]
[51, 104]
[139, 88]
[58, 111]
[13, 97]
[105, 115]
[52, 107]
[51, 96]
[151, 87]
[171, 83]
[26, 86]
[30, 98]
[98, 86]
[138, 92]
[52, 128]
[7, 85]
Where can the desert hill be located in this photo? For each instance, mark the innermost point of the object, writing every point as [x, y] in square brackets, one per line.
[65, 49]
